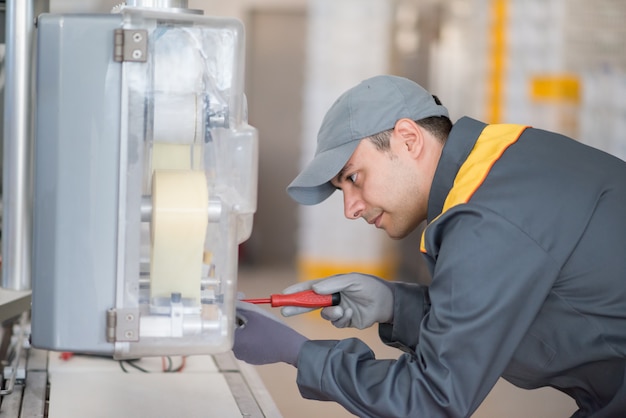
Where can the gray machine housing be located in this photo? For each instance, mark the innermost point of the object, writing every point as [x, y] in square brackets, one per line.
[76, 170]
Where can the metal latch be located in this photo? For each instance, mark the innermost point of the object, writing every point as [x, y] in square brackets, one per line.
[130, 45]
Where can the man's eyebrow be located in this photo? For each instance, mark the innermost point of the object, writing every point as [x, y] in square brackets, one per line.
[338, 178]
[342, 173]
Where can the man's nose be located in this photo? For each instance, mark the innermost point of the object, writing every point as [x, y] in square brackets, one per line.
[352, 205]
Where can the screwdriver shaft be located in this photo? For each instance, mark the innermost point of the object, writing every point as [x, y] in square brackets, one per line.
[258, 301]
[305, 299]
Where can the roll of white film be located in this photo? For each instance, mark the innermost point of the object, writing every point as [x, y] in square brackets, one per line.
[177, 118]
[178, 229]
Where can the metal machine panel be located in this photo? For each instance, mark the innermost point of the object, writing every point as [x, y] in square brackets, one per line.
[75, 202]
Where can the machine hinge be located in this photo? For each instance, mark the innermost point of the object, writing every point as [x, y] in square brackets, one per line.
[130, 45]
[122, 325]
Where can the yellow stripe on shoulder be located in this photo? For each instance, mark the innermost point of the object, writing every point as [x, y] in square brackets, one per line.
[489, 147]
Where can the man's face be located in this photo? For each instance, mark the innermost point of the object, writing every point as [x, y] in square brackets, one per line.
[383, 187]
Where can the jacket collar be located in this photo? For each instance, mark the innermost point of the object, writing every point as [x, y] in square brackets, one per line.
[455, 151]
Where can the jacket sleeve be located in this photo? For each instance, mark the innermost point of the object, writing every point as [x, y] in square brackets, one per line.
[411, 304]
[489, 283]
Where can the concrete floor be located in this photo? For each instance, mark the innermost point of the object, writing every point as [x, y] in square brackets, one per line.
[505, 400]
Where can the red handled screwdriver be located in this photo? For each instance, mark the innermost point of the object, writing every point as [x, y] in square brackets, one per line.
[305, 299]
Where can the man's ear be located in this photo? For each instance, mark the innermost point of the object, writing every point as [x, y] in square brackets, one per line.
[409, 135]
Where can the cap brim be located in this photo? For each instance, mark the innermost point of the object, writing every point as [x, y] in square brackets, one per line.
[312, 185]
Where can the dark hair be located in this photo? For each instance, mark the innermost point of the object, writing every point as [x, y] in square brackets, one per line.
[438, 126]
[381, 140]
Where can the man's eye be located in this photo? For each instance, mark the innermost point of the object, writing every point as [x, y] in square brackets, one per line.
[352, 177]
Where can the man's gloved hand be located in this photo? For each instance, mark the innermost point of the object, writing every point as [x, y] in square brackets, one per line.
[365, 299]
[263, 338]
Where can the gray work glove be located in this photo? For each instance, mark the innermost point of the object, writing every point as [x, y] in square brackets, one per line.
[365, 300]
[262, 338]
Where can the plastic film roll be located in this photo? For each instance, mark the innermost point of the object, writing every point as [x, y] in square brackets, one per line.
[176, 156]
[177, 118]
[178, 229]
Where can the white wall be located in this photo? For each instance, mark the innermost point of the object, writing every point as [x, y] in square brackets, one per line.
[233, 8]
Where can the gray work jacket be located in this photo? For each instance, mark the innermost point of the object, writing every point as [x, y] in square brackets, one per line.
[526, 244]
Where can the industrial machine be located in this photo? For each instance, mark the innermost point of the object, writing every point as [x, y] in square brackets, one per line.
[129, 179]
[144, 180]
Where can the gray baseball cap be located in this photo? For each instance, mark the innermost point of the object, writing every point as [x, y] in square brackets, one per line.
[371, 107]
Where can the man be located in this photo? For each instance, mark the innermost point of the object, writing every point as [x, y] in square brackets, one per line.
[525, 241]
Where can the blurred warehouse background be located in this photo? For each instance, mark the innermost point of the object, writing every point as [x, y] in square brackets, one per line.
[553, 64]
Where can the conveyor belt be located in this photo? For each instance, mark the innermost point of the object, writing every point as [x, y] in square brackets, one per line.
[209, 386]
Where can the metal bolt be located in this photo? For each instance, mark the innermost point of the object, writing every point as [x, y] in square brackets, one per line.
[130, 317]
[137, 54]
[137, 37]
[129, 334]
